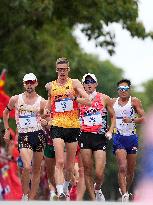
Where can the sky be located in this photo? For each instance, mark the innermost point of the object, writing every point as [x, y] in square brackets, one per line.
[133, 55]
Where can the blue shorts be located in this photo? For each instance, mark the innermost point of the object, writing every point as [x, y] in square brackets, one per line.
[128, 143]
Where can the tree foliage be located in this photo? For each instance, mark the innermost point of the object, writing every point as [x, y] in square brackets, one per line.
[33, 34]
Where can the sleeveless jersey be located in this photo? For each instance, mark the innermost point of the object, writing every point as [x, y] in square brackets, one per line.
[64, 108]
[28, 116]
[127, 110]
[94, 118]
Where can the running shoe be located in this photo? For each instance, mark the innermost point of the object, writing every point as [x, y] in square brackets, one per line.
[125, 197]
[24, 197]
[53, 197]
[99, 195]
[62, 197]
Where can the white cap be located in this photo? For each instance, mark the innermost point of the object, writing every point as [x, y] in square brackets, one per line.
[29, 76]
[91, 75]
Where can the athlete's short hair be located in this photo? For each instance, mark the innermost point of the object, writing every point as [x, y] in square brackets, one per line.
[62, 60]
[124, 81]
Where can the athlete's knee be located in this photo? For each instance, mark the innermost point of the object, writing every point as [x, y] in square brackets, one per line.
[130, 173]
[122, 168]
[27, 167]
[81, 171]
[36, 172]
[99, 176]
[60, 163]
[87, 170]
[70, 168]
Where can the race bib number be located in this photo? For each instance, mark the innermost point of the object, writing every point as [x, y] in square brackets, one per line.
[27, 121]
[64, 105]
[91, 120]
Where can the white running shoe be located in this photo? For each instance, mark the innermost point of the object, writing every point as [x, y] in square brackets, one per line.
[125, 197]
[99, 195]
[53, 197]
[25, 197]
[120, 191]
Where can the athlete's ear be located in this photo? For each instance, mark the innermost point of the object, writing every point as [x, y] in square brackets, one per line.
[69, 69]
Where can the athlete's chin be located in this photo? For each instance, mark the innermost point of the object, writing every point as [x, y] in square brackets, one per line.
[124, 96]
[30, 90]
[63, 77]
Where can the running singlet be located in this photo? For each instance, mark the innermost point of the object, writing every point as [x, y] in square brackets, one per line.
[94, 118]
[127, 110]
[27, 116]
[64, 108]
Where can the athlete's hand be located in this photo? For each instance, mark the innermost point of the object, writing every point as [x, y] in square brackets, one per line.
[46, 112]
[127, 120]
[7, 136]
[108, 135]
[44, 123]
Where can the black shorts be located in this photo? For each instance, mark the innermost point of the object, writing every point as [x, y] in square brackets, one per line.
[36, 141]
[88, 140]
[69, 135]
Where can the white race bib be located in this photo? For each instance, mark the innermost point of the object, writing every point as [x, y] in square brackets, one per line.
[124, 128]
[94, 119]
[26, 121]
[64, 105]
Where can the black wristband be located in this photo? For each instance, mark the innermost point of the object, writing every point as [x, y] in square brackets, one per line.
[75, 98]
[8, 109]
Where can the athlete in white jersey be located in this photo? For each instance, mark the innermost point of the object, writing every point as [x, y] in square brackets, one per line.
[31, 140]
[128, 112]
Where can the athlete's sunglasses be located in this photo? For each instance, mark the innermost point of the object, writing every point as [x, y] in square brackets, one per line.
[91, 81]
[32, 82]
[62, 69]
[123, 88]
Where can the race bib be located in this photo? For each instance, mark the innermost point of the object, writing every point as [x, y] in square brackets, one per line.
[64, 105]
[91, 120]
[27, 121]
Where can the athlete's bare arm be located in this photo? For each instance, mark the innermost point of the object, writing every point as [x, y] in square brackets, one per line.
[81, 92]
[109, 105]
[45, 113]
[6, 111]
[113, 100]
[138, 109]
[42, 107]
[48, 87]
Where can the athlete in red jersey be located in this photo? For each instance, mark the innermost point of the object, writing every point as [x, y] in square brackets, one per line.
[94, 134]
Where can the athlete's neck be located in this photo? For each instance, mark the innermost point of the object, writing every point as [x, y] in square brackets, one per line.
[62, 81]
[124, 99]
[93, 94]
[30, 95]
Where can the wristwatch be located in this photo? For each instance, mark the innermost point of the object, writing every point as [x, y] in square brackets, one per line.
[132, 119]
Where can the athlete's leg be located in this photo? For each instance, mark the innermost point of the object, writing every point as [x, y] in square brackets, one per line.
[50, 169]
[131, 164]
[26, 156]
[36, 168]
[87, 159]
[59, 156]
[81, 181]
[71, 149]
[100, 162]
[122, 169]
